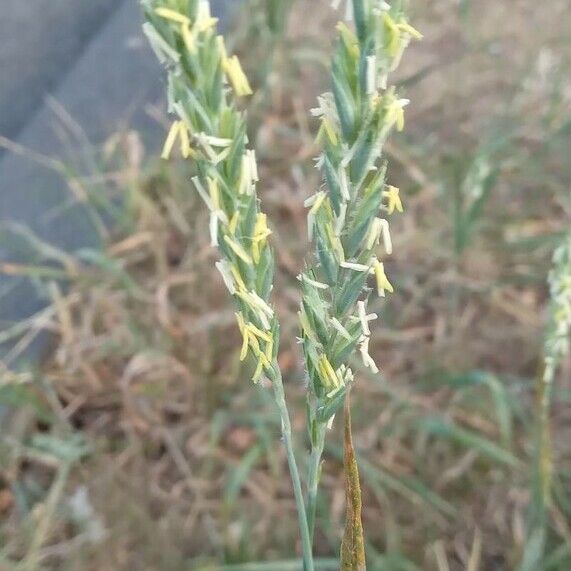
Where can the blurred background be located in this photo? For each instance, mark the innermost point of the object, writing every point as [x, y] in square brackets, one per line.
[131, 436]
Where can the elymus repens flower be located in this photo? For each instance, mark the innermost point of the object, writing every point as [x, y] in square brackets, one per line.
[348, 217]
[203, 83]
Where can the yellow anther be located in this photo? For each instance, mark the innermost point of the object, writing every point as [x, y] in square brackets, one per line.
[245, 346]
[258, 372]
[171, 139]
[382, 280]
[258, 351]
[395, 113]
[318, 203]
[328, 374]
[261, 230]
[306, 327]
[399, 118]
[236, 76]
[173, 16]
[234, 222]
[393, 34]
[349, 39]
[254, 343]
[374, 234]
[269, 352]
[256, 252]
[185, 148]
[245, 184]
[245, 336]
[335, 242]
[188, 38]
[178, 130]
[204, 24]
[259, 333]
[263, 363]
[406, 28]
[261, 233]
[240, 320]
[214, 193]
[394, 201]
[237, 278]
[238, 249]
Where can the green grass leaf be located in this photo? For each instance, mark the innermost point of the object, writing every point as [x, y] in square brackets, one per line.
[444, 429]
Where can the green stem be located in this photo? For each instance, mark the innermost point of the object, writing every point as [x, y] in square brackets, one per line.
[314, 474]
[279, 394]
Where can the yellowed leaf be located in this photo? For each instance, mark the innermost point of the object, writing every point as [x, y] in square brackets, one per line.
[353, 546]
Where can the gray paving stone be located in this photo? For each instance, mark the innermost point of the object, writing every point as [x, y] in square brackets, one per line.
[109, 87]
[41, 39]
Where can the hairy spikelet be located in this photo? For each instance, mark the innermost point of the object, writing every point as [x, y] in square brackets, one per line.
[348, 217]
[203, 84]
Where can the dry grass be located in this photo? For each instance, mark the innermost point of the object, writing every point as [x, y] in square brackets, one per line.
[183, 464]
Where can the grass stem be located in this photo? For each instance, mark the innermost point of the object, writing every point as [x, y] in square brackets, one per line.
[314, 474]
[306, 542]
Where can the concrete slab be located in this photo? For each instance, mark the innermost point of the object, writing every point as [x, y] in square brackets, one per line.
[41, 39]
[109, 87]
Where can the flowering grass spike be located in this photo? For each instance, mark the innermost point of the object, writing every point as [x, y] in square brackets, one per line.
[212, 132]
[348, 216]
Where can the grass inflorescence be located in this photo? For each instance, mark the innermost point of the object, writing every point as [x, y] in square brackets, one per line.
[348, 217]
